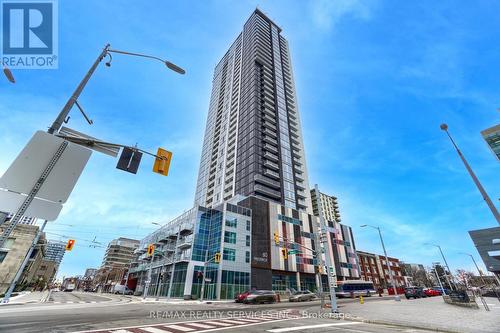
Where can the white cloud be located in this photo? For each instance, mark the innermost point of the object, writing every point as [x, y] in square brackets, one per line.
[327, 14]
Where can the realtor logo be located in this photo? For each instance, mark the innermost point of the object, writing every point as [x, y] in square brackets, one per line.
[29, 34]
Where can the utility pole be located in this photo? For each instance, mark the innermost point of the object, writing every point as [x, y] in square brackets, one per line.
[9, 291]
[485, 196]
[329, 261]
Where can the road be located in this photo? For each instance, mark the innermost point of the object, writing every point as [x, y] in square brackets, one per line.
[125, 314]
[77, 297]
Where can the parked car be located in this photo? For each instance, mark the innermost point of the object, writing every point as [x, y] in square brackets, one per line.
[441, 290]
[241, 297]
[302, 296]
[431, 292]
[414, 292]
[260, 296]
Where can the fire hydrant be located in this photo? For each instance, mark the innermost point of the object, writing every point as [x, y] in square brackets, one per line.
[361, 300]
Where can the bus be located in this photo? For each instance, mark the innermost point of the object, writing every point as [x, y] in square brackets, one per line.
[354, 288]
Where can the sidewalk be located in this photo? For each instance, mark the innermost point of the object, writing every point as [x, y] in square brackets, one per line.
[428, 313]
[28, 297]
[181, 301]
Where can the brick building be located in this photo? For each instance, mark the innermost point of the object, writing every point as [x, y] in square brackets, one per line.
[374, 268]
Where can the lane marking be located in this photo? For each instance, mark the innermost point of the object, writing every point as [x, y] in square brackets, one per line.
[233, 321]
[218, 323]
[200, 325]
[165, 326]
[299, 328]
[154, 330]
[180, 328]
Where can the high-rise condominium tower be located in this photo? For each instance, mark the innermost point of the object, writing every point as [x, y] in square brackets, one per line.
[253, 141]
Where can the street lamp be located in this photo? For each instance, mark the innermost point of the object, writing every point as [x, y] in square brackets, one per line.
[396, 297]
[477, 267]
[8, 74]
[486, 198]
[56, 125]
[445, 262]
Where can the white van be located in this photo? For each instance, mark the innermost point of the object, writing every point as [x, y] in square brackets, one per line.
[122, 289]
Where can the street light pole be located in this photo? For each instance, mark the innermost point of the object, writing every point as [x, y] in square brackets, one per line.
[56, 125]
[396, 296]
[486, 198]
[446, 265]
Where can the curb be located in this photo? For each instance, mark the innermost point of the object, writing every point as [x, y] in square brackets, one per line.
[421, 327]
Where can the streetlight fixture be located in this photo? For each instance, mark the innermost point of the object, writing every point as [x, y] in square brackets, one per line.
[446, 264]
[8, 74]
[475, 264]
[56, 125]
[396, 296]
[486, 198]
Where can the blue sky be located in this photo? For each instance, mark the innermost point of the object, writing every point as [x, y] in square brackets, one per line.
[374, 81]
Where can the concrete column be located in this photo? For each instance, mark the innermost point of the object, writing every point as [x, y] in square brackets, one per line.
[188, 284]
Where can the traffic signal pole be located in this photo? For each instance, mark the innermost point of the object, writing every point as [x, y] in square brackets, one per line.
[329, 261]
[146, 287]
[23, 265]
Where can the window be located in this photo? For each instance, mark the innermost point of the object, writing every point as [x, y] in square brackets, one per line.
[229, 237]
[248, 225]
[231, 223]
[3, 254]
[247, 256]
[248, 240]
[229, 254]
[9, 243]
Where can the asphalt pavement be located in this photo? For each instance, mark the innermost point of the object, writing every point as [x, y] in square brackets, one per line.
[124, 314]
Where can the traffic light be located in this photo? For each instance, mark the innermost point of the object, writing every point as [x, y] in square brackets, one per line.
[70, 245]
[151, 250]
[162, 162]
[320, 269]
[284, 251]
[276, 238]
[217, 258]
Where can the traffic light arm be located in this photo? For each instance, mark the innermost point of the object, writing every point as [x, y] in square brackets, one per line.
[298, 244]
[91, 143]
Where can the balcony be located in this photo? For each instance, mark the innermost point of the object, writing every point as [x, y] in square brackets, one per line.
[185, 242]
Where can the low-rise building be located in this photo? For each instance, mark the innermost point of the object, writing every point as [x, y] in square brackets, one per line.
[14, 251]
[374, 268]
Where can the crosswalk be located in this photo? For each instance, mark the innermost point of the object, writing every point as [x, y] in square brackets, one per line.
[203, 325]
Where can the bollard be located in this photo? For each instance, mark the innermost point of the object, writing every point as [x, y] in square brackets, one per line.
[361, 299]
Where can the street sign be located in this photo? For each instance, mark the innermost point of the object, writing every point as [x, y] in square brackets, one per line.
[89, 141]
[294, 251]
[43, 209]
[26, 169]
[129, 160]
[162, 164]
[208, 280]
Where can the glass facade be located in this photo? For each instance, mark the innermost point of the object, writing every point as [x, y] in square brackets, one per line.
[207, 234]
